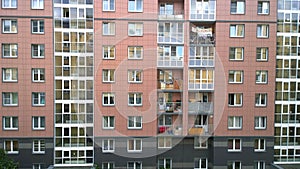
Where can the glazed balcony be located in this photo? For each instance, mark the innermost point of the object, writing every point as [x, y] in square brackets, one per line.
[170, 32]
[170, 56]
[201, 79]
[203, 10]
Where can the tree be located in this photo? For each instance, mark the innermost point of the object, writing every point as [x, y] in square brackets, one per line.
[6, 162]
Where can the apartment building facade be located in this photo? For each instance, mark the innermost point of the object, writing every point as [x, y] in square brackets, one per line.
[139, 83]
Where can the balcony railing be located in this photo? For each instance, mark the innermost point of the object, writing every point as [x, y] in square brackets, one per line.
[202, 15]
[201, 61]
[172, 61]
[170, 15]
[170, 107]
[202, 39]
[170, 130]
[174, 85]
[200, 107]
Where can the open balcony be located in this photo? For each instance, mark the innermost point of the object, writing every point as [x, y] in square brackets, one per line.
[171, 10]
[200, 107]
[171, 15]
[202, 34]
[170, 130]
[170, 80]
[173, 85]
[170, 108]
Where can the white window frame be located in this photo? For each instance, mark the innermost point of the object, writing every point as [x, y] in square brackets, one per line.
[11, 144]
[235, 122]
[165, 162]
[135, 122]
[135, 29]
[12, 24]
[108, 122]
[263, 7]
[12, 100]
[10, 122]
[38, 98]
[200, 143]
[108, 5]
[38, 74]
[37, 4]
[135, 98]
[262, 54]
[37, 50]
[9, 3]
[109, 97]
[108, 165]
[262, 31]
[41, 123]
[108, 28]
[10, 74]
[236, 97]
[38, 166]
[136, 165]
[134, 6]
[164, 142]
[234, 165]
[38, 147]
[259, 145]
[234, 145]
[236, 74]
[135, 52]
[108, 75]
[135, 76]
[261, 99]
[135, 142]
[108, 145]
[260, 123]
[108, 51]
[234, 31]
[240, 6]
[237, 53]
[39, 25]
[261, 77]
[260, 165]
[198, 162]
[11, 49]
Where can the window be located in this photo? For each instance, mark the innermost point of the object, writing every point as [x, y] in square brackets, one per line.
[9, 26]
[234, 165]
[263, 7]
[236, 53]
[108, 28]
[134, 122]
[10, 98]
[259, 165]
[135, 99]
[237, 30]
[108, 165]
[235, 99]
[260, 122]
[37, 26]
[108, 5]
[235, 122]
[134, 145]
[135, 5]
[108, 99]
[135, 29]
[200, 142]
[134, 76]
[37, 51]
[38, 166]
[134, 165]
[260, 99]
[262, 54]
[165, 163]
[235, 76]
[108, 52]
[10, 74]
[108, 75]
[9, 3]
[38, 147]
[38, 123]
[37, 4]
[164, 142]
[262, 31]
[201, 120]
[200, 163]
[38, 99]
[234, 145]
[165, 120]
[259, 145]
[38, 75]
[262, 76]
[108, 145]
[135, 52]
[166, 9]
[11, 146]
[108, 122]
[237, 7]
[10, 123]
[9, 50]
